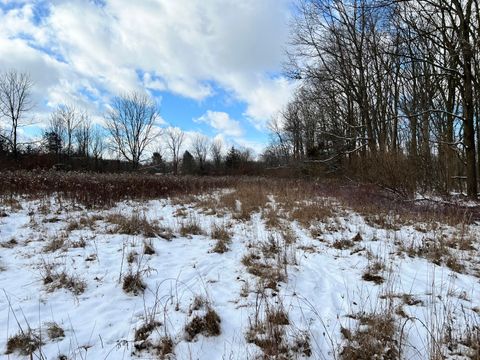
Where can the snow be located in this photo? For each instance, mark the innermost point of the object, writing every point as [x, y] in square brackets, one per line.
[324, 284]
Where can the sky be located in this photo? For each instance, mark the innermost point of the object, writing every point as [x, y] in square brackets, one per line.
[213, 66]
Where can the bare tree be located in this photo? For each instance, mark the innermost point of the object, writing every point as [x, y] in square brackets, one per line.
[65, 122]
[174, 140]
[200, 146]
[216, 151]
[97, 143]
[83, 135]
[130, 123]
[15, 102]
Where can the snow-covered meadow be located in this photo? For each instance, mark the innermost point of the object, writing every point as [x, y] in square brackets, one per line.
[229, 275]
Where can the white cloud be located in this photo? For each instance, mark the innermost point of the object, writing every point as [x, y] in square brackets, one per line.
[222, 122]
[179, 46]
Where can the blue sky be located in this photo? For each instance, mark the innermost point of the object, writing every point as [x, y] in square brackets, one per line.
[213, 66]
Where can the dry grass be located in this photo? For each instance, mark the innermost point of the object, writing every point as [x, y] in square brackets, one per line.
[24, 343]
[220, 232]
[268, 330]
[135, 224]
[165, 347]
[57, 243]
[144, 331]
[443, 250]
[375, 337]
[190, 227]
[206, 325]
[148, 248]
[133, 283]
[343, 244]
[9, 244]
[223, 236]
[104, 190]
[54, 280]
[83, 222]
[271, 217]
[54, 331]
[310, 213]
[248, 197]
[220, 247]
[372, 273]
[270, 274]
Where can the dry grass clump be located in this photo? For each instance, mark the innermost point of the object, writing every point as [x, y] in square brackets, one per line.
[80, 243]
[132, 256]
[83, 222]
[440, 251]
[206, 325]
[372, 273]
[271, 217]
[471, 340]
[133, 283]
[223, 236]
[269, 338]
[268, 330]
[248, 197]
[144, 331]
[270, 274]
[55, 280]
[220, 247]
[165, 347]
[134, 225]
[220, 232]
[148, 248]
[55, 331]
[375, 337]
[55, 244]
[343, 244]
[9, 244]
[278, 317]
[190, 227]
[312, 212]
[24, 343]
[161, 347]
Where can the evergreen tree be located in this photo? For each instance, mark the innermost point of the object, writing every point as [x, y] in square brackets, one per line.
[188, 163]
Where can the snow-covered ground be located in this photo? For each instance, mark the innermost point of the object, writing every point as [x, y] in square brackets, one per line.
[321, 284]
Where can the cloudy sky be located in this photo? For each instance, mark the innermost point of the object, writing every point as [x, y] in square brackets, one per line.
[214, 66]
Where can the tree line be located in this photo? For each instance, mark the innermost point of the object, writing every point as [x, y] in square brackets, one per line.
[390, 91]
[129, 134]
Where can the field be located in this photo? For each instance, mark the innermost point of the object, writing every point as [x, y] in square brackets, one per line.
[158, 267]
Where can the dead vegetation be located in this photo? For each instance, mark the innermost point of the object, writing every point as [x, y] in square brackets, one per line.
[57, 243]
[54, 279]
[83, 222]
[271, 331]
[55, 331]
[104, 190]
[207, 324]
[443, 249]
[133, 283]
[148, 248]
[373, 272]
[247, 198]
[191, 227]
[375, 337]
[134, 224]
[223, 236]
[10, 244]
[313, 212]
[24, 343]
